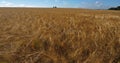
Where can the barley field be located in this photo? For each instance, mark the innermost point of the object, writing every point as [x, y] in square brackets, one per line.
[59, 35]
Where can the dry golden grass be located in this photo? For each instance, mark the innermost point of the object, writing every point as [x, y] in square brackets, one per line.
[59, 36]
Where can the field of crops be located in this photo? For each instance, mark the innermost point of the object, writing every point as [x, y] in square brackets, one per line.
[59, 35]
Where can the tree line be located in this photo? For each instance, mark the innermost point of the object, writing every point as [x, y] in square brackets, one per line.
[114, 8]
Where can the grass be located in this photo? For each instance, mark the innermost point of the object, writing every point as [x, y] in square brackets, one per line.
[59, 36]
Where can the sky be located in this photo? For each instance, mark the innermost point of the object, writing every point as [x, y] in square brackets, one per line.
[91, 4]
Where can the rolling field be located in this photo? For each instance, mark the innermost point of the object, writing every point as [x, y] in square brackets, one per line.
[59, 35]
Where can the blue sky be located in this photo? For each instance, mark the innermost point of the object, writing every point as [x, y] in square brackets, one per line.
[92, 4]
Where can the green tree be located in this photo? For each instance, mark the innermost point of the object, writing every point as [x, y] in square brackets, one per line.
[115, 8]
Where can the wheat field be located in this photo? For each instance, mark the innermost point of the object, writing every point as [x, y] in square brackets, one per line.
[29, 35]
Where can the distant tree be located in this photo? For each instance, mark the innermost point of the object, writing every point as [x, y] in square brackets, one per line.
[118, 7]
[114, 8]
[54, 6]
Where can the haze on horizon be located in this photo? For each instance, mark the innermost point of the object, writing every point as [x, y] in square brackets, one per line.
[91, 4]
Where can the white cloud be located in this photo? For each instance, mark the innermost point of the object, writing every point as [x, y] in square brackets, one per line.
[58, 3]
[97, 3]
[10, 4]
[94, 5]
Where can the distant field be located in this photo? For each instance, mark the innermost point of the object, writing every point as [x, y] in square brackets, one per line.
[59, 35]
